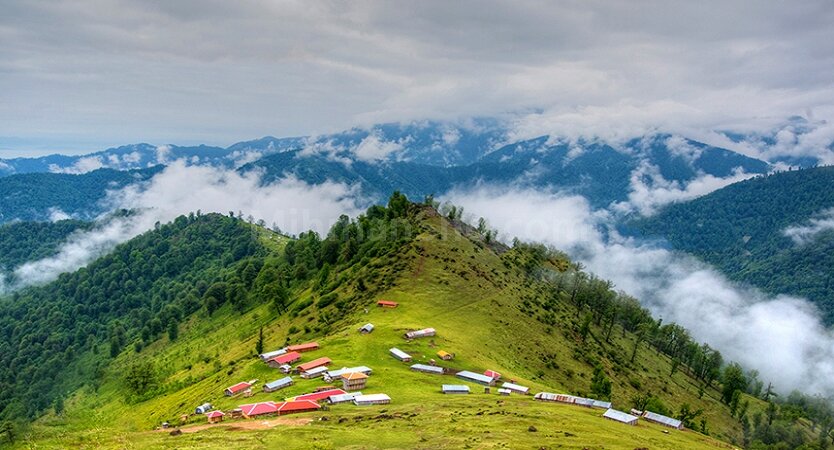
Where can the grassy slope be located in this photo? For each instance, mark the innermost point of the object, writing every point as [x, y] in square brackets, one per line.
[477, 318]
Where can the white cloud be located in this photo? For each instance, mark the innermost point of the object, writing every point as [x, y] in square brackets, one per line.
[650, 191]
[782, 337]
[82, 165]
[289, 203]
[55, 214]
[802, 234]
[373, 148]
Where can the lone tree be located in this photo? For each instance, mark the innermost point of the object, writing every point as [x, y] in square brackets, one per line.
[259, 346]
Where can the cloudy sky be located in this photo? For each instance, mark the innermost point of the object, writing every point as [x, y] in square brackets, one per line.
[80, 76]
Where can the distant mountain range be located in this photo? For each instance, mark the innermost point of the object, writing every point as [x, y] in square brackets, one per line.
[418, 159]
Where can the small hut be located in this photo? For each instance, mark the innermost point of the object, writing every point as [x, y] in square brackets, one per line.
[215, 416]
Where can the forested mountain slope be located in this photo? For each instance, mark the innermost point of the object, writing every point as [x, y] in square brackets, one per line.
[174, 316]
[21, 242]
[743, 229]
[45, 196]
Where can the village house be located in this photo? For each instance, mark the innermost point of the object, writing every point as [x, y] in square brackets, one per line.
[427, 369]
[619, 416]
[445, 356]
[320, 362]
[314, 372]
[354, 381]
[476, 378]
[516, 388]
[269, 355]
[399, 354]
[387, 304]
[334, 374]
[285, 368]
[297, 406]
[367, 328]
[278, 384]
[493, 374]
[215, 416]
[663, 420]
[258, 409]
[372, 399]
[237, 389]
[343, 398]
[288, 358]
[504, 391]
[318, 396]
[301, 348]
[600, 404]
[454, 389]
[425, 332]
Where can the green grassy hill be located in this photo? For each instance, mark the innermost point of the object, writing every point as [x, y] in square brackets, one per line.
[494, 307]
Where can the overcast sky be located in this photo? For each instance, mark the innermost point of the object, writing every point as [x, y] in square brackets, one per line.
[84, 75]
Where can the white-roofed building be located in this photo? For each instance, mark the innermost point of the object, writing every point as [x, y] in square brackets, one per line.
[371, 399]
[476, 378]
[454, 389]
[399, 354]
[427, 368]
[425, 332]
[278, 384]
[663, 420]
[619, 416]
[269, 355]
[516, 388]
[343, 398]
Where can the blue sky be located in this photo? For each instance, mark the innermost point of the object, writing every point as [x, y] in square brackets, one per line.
[82, 76]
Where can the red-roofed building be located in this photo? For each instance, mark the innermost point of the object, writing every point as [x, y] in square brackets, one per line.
[492, 374]
[319, 396]
[215, 416]
[303, 347]
[297, 406]
[237, 389]
[387, 304]
[258, 409]
[287, 358]
[313, 364]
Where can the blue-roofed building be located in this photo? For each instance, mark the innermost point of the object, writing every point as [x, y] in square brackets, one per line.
[663, 420]
[454, 389]
[278, 384]
[427, 369]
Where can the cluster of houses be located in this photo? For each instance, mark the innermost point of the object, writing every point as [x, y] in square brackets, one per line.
[354, 379]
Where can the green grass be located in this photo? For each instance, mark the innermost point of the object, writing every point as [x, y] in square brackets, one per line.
[451, 284]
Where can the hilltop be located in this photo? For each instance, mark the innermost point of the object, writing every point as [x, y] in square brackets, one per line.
[182, 322]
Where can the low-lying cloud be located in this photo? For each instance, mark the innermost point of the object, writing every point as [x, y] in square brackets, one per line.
[780, 336]
[802, 234]
[289, 204]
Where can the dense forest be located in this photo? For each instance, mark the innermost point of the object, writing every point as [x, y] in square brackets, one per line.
[36, 196]
[741, 230]
[21, 242]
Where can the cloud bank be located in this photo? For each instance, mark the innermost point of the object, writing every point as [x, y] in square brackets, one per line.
[780, 336]
[289, 204]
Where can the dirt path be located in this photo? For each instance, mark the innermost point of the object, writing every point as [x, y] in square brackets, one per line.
[245, 425]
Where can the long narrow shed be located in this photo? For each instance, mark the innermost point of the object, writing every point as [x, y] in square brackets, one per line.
[313, 364]
[619, 416]
[343, 398]
[454, 389]
[278, 384]
[399, 354]
[516, 388]
[663, 420]
[371, 399]
[427, 368]
[269, 355]
[476, 378]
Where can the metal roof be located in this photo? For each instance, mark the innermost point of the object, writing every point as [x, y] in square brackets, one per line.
[476, 377]
[427, 368]
[339, 372]
[601, 404]
[367, 327]
[455, 388]
[269, 355]
[661, 419]
[341, 398]
[399, 353]
[504, 391]
[516, 387]
[286, 381]
[619, 416]
[371, 398]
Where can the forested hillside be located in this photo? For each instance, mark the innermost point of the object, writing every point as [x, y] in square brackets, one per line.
[21, 242]
[42, 196]
[741, 230]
